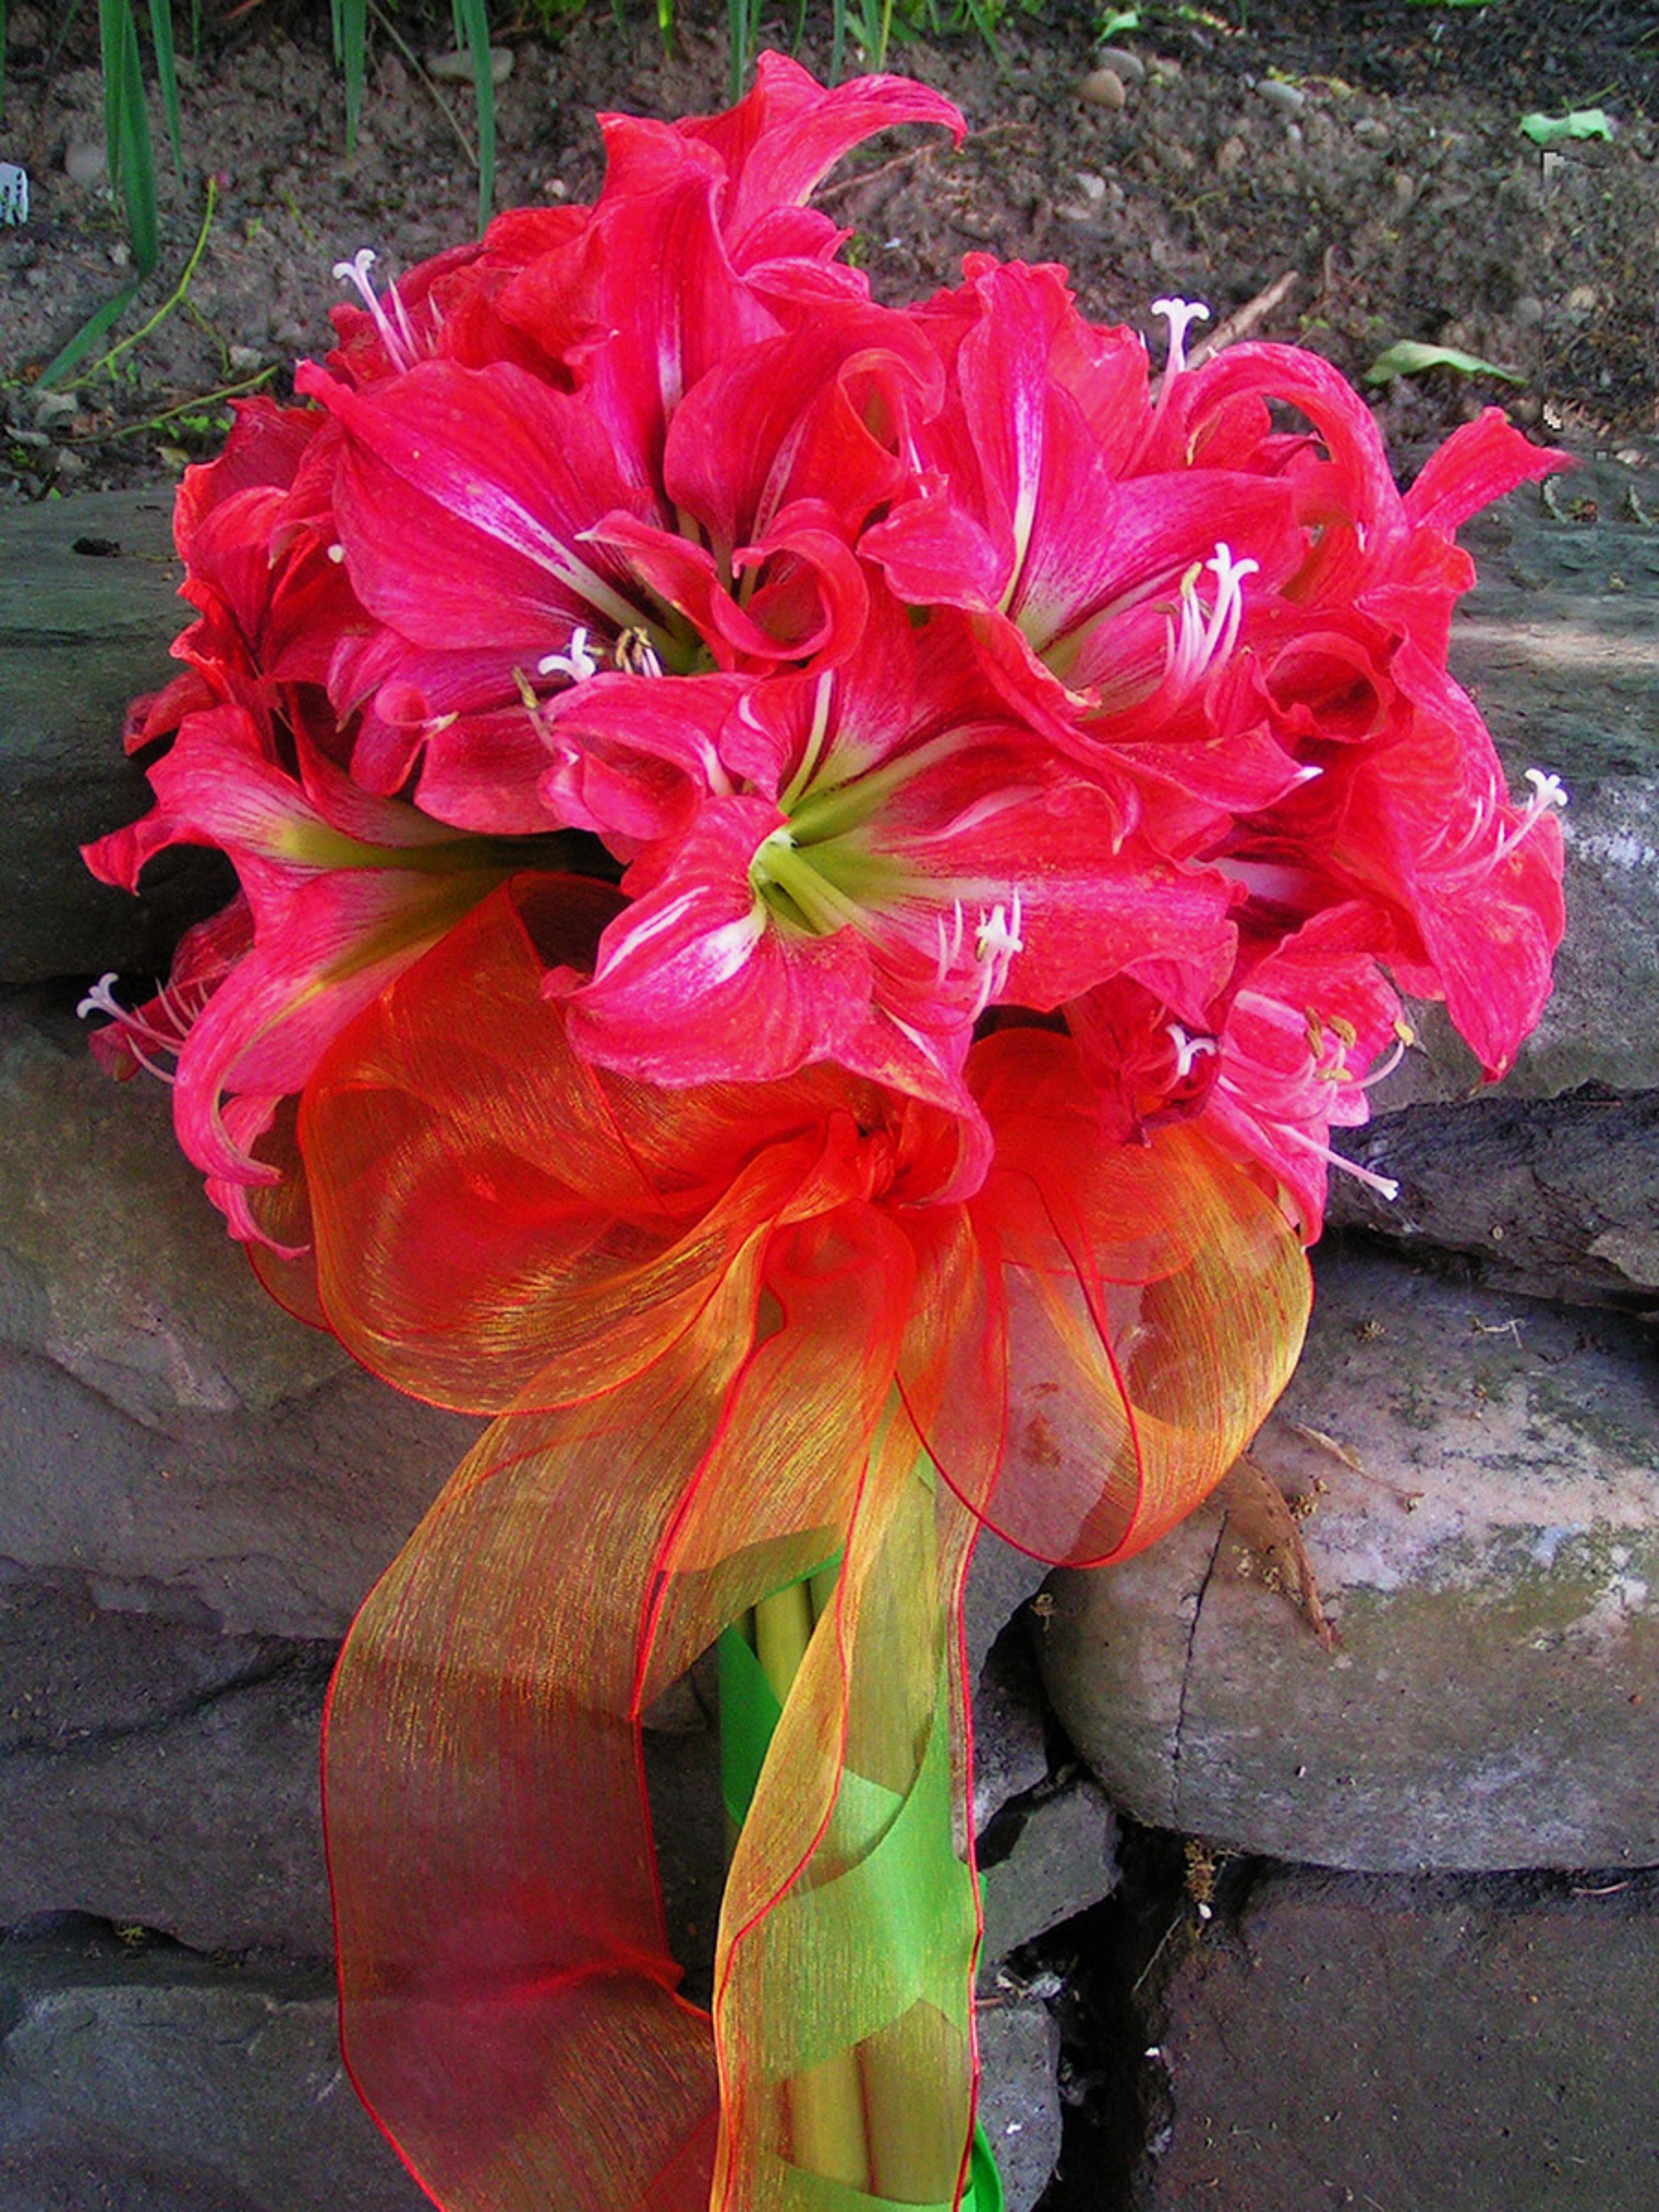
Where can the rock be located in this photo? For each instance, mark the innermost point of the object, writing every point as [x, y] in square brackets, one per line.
[1285, 99]
[159, 1775]
[1002, 1581]
[175, 1445]
[1493, 1576]
[86, 161]
[457, 68]
[1104, 88]
[1459, 2044]
[1010, 1749]
[157, 2081]
[114, 1266]
[1019, 2100]
[1127, 67]
[1555, 1197]
[109, 612]
[1062, 1861]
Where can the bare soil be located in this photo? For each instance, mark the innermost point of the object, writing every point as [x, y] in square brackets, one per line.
[1368, 152]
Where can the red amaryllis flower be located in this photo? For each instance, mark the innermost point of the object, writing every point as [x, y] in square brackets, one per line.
[855, 866]
[339, 891]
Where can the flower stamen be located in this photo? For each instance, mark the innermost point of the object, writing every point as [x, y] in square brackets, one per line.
[396, 332]
[1188, 1048]
[578, 663]
[996, 941]
[1201, 640]
[1181, 315]
[143, 1039]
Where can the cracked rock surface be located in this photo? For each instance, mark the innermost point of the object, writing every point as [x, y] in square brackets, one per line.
[141, 2078]
[1460, 2044]
[1492, 1574]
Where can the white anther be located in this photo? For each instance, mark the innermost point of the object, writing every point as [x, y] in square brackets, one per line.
[578, 663]
[141, 1037]
[398, 336]
[1181, 315]
[1186, 1048]
[996, 940]
[336, 553]
[1203, 640]
[101, 1000]
[998, 936]
[1548, 793]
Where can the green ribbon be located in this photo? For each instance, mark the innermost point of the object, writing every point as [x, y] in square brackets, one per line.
[903, 1887]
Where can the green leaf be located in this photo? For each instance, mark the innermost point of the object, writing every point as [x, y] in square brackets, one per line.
[1407, 357]
[1120, 19]
[1579, 123]
[472, 30]
[349, 22]
[167, 72]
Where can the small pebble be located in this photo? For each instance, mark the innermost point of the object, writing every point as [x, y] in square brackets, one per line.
[84, 161]
[1104, 88]
[68, 464]
[457, 69]
[1091, 187]
[1128, 67]
[1230, 155]
[121, 254]
[52, 407]
[1529, 312]
[1288, 99]
[1371, 131]
[244, 359]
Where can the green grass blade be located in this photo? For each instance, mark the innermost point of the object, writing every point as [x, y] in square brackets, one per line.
[113, 23]
[838, 37]
[349, 20]
[85, 338]
[665, 24]
[126, 130]
[160, 30]
[472, 31]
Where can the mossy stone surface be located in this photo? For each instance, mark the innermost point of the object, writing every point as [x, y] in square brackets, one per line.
[1492, 1576]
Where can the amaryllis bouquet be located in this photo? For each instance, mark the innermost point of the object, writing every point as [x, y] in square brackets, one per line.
[815, 879]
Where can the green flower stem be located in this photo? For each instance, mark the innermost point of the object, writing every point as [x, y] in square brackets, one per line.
[915, 2134]
[826, 2102]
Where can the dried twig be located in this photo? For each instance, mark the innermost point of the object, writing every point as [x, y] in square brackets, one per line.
[1244, 319]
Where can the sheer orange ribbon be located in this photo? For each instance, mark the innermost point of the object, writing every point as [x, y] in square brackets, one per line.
[724, 1333]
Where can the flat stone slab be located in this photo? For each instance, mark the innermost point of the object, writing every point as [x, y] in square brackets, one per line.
[1492, 1575]
[152, 2080]
[88, 609]
[1555, 1197]
[1019, 2099]
[1459, 2045]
